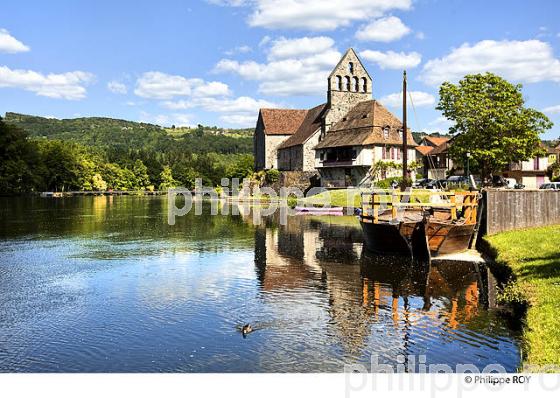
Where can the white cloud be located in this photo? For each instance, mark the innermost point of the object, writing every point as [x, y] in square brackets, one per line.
[69, 85]
[226, 105]
[314, 14]
[523, 61]
[419, 99]
[293, 48]
[9, 44]
[292, 67]
[239, 120]
[384, 30]
[391, 59]
[420, 35]
[238, 50]
[177, 119]
[241, 111]
[117, 87]
[159, 85]
[439, 125]
[209, 89]
[238, 111]
[552, 109]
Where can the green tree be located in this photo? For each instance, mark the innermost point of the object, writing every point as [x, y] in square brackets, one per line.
[242, 167]
[19, 161]
[67, 166]
[141, 173]
[98, 183]
[167, 180]
[491, 122]
[199, 132]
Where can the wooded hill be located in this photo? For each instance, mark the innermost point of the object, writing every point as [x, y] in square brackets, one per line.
[94, 153]
[124, 135]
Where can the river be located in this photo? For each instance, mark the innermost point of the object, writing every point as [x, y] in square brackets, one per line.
[104, 284]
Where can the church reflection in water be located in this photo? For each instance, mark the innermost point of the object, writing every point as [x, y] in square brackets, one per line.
[373, 298]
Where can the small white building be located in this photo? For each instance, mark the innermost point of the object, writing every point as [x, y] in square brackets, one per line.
[531, 173]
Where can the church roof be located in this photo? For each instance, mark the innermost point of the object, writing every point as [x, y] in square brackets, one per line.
[345, 58]
[282, 121]
[310, 125]
[364, 125]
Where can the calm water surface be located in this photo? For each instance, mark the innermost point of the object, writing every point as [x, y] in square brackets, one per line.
[104, 284]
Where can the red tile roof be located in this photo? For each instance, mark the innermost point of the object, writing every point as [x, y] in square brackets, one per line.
[364, 125]
[282, 121]
[424, 149]
[437, 141]
[310, 125]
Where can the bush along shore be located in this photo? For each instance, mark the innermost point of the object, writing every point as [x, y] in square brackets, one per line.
[528, 262]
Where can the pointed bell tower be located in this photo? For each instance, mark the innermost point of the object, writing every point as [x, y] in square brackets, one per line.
[348, 84]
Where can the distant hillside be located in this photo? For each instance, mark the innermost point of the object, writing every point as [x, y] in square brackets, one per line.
[124, 136]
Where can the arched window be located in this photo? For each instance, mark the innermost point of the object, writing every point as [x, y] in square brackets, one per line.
[347, 82]
[364, 85]
[351, 67]
[356, 84]
[339, 83]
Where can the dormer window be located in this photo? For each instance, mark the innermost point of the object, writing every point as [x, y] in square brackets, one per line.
[386, 133]
[351, 67]
[400, 134]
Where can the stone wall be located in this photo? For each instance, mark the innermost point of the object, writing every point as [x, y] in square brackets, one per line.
[309, 151]
[259, 145]
[299, 179]
[290, 158]
[340, 98]
[271, 149]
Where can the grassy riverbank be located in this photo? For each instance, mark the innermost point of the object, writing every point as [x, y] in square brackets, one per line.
[534, 257]
[335, 198]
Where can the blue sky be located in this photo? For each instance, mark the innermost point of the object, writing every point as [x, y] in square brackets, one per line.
[216, 62]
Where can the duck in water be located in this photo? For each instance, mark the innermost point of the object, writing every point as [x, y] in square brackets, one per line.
[246, 329]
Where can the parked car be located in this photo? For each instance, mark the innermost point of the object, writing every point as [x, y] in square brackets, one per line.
[424, 183]
[455, 181]
[555, 186]
[519, 186]
[440, 184]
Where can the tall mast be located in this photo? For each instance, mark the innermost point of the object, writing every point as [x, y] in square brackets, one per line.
[405, 135]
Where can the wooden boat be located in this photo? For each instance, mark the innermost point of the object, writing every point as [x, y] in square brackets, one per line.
[417, 227]
[405, 223]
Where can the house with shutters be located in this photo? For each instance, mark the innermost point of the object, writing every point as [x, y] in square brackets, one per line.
[341, 139]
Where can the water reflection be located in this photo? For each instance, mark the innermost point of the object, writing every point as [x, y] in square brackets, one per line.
[104, 284]
[381, 304]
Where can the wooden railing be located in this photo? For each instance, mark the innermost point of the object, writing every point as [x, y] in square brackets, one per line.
[372, 202]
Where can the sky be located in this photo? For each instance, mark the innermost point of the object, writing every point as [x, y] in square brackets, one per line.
[216, 62]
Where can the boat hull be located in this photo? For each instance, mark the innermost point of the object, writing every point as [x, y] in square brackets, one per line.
[422, 239]
[388, 238]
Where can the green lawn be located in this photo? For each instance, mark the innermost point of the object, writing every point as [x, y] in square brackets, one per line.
[534, 257]
[351, 197]
[335, 198]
